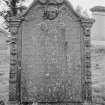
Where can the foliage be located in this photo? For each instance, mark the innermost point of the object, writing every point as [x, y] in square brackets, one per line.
[79, 10]
[85, 13]
[11, 8]
[14, 6]
[82, 12]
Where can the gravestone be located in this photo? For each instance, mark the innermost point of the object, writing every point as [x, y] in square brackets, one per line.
[50, 55]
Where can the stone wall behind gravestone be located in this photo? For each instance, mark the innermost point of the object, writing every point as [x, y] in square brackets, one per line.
[98, 72]
[4, 66]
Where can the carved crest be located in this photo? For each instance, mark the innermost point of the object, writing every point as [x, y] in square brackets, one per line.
[51, 12]
[51, 1]
[51, 8]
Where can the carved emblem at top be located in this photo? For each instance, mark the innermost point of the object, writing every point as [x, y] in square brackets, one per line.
[51, 8]
[51, 12]
[51, 1]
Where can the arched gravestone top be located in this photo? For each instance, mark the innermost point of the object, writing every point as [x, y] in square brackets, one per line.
[50, 51]
[53, 2]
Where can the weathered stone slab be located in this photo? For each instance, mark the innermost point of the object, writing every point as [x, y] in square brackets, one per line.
[50, 54]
